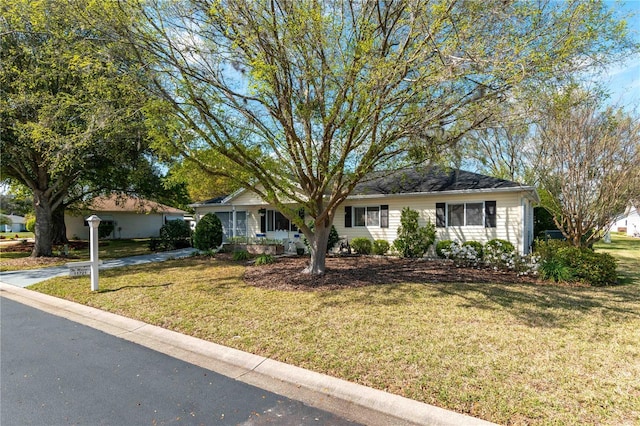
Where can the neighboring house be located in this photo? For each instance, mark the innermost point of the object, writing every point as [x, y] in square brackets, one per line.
[629, 222]
[464, 206]
[17, 224]
[131, 217]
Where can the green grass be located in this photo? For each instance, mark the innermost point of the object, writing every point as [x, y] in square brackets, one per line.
[114, 249]
[12, 235]
[107, 249]
[511, 354]
[627, 251]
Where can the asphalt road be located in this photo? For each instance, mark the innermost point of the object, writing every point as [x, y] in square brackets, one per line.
[57, 372]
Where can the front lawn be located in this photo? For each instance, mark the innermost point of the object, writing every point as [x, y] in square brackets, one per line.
[15, 235]
[15, 255]
[514, 353]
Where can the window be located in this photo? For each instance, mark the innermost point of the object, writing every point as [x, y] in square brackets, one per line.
[374, 216]
[276, 221]
[226, 218]
[466, 214]
[456, 215]
[359, 216]
[474, 214]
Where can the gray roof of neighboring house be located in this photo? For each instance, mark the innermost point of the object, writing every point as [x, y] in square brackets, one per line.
[115, 203]
[431, 179]
[15, 219]
[417, 180]
[216, 200]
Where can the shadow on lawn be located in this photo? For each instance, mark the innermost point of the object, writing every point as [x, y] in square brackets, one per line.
[403, 283]
[129, 287]
[547, 305]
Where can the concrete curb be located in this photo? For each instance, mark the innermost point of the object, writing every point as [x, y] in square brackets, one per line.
[352, 401]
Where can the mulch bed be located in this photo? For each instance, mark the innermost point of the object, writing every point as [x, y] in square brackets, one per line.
[30, 262]
[19, 246]
[360, 271]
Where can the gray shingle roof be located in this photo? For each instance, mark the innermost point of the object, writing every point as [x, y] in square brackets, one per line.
[417, 180]
[432, 179]
[216, 200]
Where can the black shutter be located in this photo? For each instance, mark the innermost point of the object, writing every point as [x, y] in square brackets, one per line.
[263, 223]
[384, 216]
[441, 215]
[347, 217]
[490, 214]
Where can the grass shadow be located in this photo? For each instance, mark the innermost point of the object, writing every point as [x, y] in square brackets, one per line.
[129, 287]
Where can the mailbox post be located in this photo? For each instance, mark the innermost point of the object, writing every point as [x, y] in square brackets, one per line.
[94, 222]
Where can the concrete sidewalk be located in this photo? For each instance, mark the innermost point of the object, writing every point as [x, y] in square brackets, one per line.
[32, 276]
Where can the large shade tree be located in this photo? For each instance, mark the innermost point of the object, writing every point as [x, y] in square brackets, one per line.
[588, 162]
[70, 111]
[305, 98]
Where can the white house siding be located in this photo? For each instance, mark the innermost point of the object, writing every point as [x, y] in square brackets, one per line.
[509, 214]
[126, 225]
[630, 223]
[514, 216]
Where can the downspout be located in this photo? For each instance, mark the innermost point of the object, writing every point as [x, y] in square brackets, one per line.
[233, 221]
[525, 219]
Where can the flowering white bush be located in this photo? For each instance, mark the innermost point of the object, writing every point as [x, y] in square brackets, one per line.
[497, 255]
[462, 255]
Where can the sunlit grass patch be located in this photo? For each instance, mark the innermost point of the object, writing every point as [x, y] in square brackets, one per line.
[626, 250]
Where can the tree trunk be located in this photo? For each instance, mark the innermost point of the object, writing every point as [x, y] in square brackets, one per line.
[43, 246]
[58, 227]
[318, 247]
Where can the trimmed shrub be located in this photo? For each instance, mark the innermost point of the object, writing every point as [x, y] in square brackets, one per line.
[30, 224]
[499, 246]
[443, 245]
[208, 232]
[596, 269]
[500, 254]
[264, 259]
[362, 245]
[413, 240]
[547, 249]
[105, 229]
[477, 246]
[560, 261]
[380, 247]
[240, 255]
[154, 244]
[175, 234]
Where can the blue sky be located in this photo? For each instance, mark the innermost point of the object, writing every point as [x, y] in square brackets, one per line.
[623, 80]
